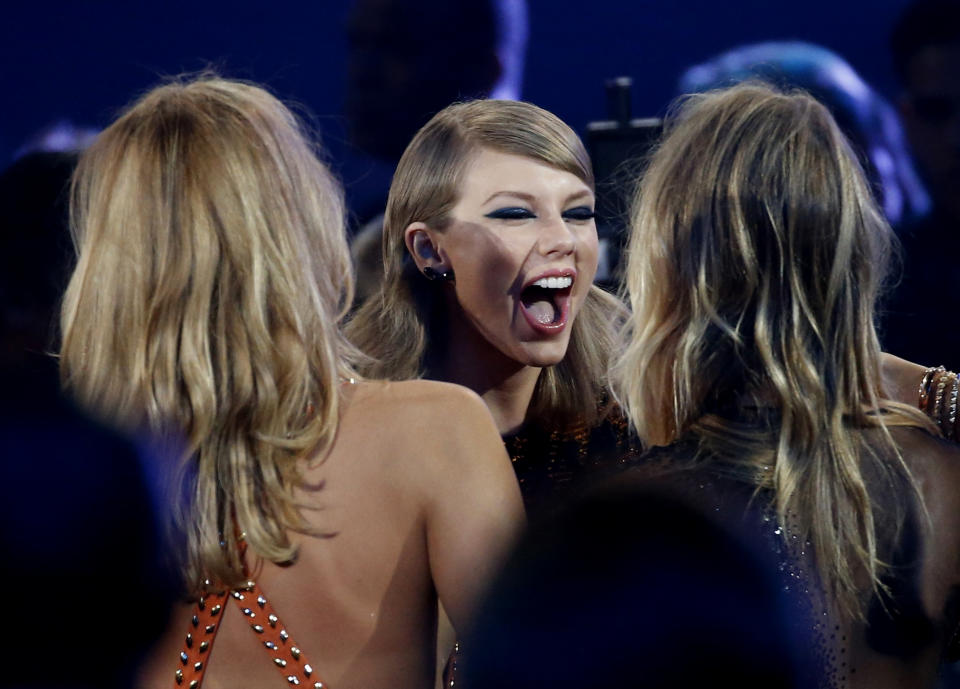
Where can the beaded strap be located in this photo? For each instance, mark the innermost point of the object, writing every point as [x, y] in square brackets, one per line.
[202, 631]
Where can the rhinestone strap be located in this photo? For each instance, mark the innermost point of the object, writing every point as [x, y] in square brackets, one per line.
[201, 633]
[286, 656]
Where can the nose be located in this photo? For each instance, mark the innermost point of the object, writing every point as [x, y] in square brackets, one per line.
[556, 237]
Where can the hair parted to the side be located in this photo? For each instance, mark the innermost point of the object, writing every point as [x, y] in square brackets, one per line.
[212, 274]
[401, 327]
[756, 257]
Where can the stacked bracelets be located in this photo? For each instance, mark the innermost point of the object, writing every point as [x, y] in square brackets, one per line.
[939, 390]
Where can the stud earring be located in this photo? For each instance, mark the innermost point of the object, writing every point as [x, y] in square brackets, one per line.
[434, 274]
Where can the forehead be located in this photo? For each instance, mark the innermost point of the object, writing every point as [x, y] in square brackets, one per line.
[488, 172]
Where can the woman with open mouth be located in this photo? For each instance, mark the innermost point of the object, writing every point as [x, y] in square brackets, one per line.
[490, 249]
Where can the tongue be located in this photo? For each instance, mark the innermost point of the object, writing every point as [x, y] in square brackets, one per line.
[542, 310]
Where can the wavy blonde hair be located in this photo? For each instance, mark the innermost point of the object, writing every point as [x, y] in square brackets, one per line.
[756, 257]
[401, 326]
[212, 272]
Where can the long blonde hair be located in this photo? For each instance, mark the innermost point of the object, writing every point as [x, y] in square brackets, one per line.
[756, 257]
[212, 272]
[401, 326]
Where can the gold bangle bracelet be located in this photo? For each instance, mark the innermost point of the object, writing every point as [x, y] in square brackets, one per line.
[925, 386]
[941, 385]
[952, 409]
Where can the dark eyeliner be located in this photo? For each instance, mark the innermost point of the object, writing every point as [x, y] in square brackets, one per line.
[580, 213]
[511, 213]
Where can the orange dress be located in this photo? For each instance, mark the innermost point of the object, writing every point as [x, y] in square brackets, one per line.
[283, 651]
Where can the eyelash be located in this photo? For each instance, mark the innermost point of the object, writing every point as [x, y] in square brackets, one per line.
[580, 214]
[512, 213]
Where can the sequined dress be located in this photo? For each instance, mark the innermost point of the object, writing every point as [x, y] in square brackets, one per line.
[724, 489]
[554, 464]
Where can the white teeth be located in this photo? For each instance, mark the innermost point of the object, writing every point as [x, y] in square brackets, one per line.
[554, 283]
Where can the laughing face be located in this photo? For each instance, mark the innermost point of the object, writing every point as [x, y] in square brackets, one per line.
[522, 243]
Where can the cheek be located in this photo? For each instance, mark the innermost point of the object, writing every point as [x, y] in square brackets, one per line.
[588, 254]
[488, 262]
[484, 276]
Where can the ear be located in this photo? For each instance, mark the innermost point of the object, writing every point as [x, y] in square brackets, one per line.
[423, 246]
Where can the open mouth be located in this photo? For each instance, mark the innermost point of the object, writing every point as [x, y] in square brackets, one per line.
[545, 302]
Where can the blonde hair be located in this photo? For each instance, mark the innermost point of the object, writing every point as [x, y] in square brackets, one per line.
[756, 257]
[401, 326]
[212, 272]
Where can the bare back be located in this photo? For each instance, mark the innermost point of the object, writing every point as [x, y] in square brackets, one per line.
[419, 501]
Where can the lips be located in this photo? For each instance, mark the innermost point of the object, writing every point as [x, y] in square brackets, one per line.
[545, 301]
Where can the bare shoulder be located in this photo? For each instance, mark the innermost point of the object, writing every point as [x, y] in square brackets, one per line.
[415, 403]
[417, 392]
[433, 420]
[935, 462]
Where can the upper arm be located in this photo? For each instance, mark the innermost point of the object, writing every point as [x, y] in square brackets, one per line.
[935, 465]
[473, 506]
[901, 379]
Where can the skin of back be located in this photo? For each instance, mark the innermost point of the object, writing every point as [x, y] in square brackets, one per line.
[417, 501]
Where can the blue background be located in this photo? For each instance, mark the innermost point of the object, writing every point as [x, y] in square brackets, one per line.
[85, 60]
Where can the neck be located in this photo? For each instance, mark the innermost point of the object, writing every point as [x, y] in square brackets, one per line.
[505, 385]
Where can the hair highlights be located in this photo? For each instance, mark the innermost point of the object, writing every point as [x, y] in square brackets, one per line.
[212, 273]
[756, 257]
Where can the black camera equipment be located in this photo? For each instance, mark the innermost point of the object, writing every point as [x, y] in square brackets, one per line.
[617, 147]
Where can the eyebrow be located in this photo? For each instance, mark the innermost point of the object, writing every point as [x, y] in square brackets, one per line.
[531, 198]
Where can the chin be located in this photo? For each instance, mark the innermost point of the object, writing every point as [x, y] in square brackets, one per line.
[543, 354]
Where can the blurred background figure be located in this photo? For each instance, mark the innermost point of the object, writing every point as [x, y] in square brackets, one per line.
[79, 540]
[34, 261]
[581, 603]
[62, 136]
[406, 61]
[36, 247]
[83, 569]
[867, 119]
[926, 52]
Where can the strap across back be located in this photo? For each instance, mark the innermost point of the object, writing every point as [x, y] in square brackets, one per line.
[284, 653]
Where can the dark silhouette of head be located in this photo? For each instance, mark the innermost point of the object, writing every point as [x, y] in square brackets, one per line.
[926, 53]
[408, 59]
[632, 586]
[35, 251]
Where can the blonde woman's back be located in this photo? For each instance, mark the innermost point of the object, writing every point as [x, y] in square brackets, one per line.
[418, 500]
[211, 281]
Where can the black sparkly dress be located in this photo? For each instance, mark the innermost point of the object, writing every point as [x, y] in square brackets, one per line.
[553, 465]
[896, 627]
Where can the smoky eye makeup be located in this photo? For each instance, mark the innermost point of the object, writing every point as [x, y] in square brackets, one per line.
[582, 213]
[511, 213]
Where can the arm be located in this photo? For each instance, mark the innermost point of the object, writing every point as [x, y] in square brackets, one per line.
[901, 378]
[474, 510]
[934, 392]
